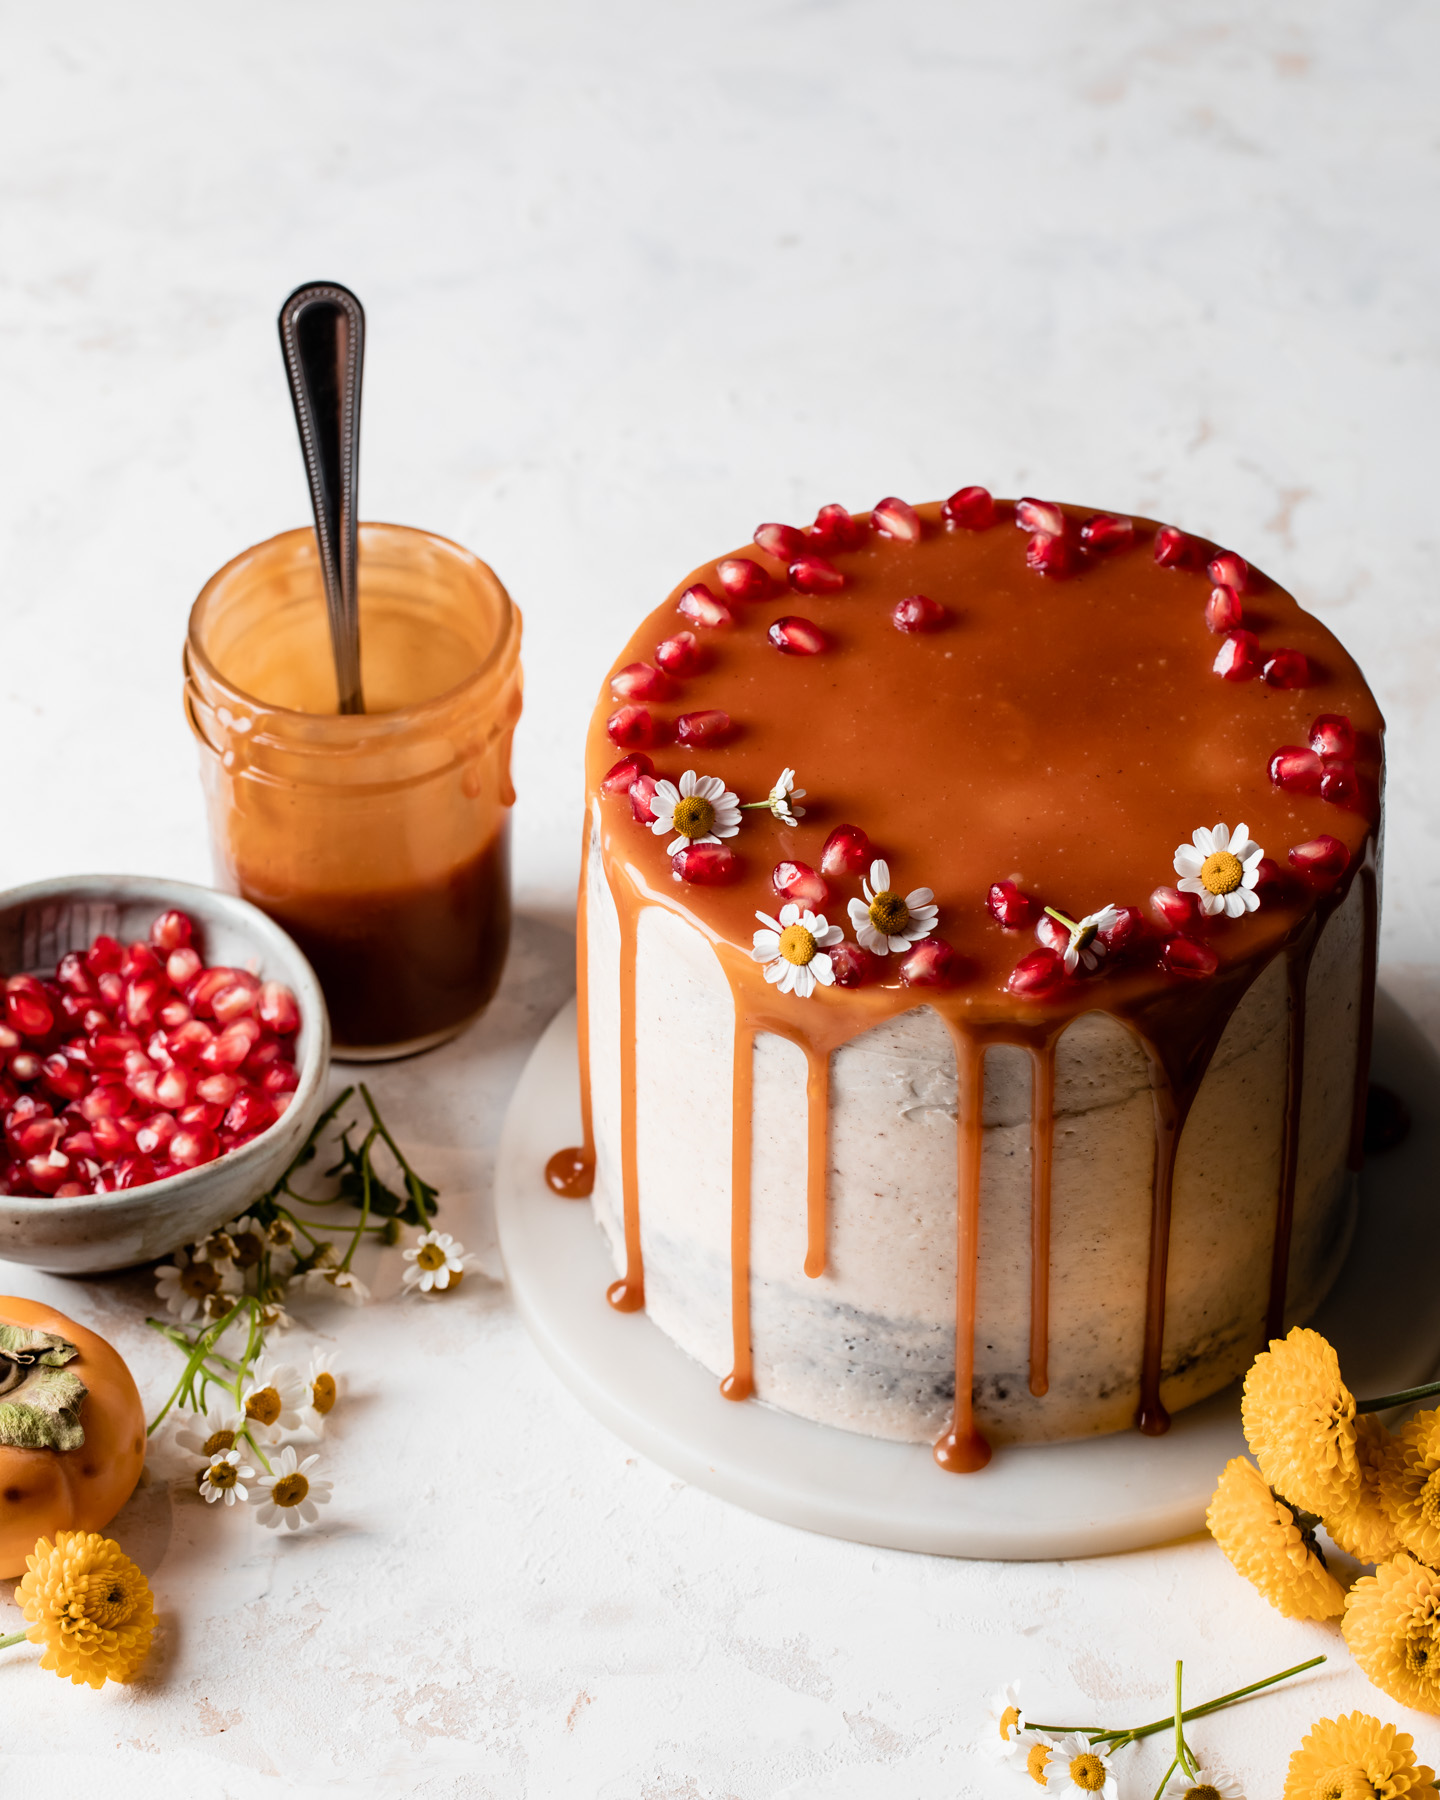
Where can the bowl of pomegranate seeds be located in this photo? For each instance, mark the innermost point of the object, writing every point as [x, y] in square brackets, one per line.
[163, 1052]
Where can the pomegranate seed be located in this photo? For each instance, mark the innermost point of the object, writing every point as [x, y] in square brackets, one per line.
[191, 1147]
[108, 1049]
[1036, 974]
[782, 541]
[144, 1084]
[140, 960]
[1173, 550]
[172, 931]
[186, 1044]
[79, 1143]
[27, 1107]
[707, 865]
[1053, 556]
[896, 519]
[230, 1048]
[703, 608]
[932, 963]
[846, 851]
[834, 529]
[114, 1137]
[1320, 857]
[1296, 770]
[969, 508]
[1229, 570]
[182, 966]
[155, 1133]
[73, 1007]
[618, 778]
[633, 728]
[1338, 784]
[1173, 909]
[1126, 931]
[701, 729]
[798, 881]
[49, 1170]
[639, 681]
[278, 1009]
[1052, 934]
[104, 956]
[1187, 956]
[680, 655]
[1040, 515]
[36, 1136]
[65, 1078]
[9, 1038]
[25, 1065]
[918, 612]
[743, 579]
[1332, 734]
[144, 998]
[251, 1111]
[1239, 656]
[234, 1002]
[9, 1094]
[280, 1078]
[112, 990]
[175, 1013]
[173, 1088]
[1009, 907]
[811, 574]
[1223, 611]
[1270, 879]
[74, 976]
[1103, 532]
[218, 1090]
[852, 965]
[27, 1007]
[794, 636]
[642, 799]
[206, 985]
[1288, 669]
[267, 1051]
[133, 1172]
[199, 1115]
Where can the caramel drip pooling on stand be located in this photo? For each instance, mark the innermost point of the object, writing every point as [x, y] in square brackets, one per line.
[1065, 735]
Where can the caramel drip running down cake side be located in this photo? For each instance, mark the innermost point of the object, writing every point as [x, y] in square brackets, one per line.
[938, 874]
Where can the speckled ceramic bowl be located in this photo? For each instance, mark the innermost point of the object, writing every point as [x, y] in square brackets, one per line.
[38, 924]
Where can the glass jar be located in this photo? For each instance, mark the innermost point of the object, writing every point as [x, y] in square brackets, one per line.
[379, 840]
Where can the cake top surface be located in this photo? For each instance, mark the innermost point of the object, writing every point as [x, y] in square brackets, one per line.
[1060, 708]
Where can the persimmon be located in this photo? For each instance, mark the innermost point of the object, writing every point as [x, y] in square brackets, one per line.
[72, 1429]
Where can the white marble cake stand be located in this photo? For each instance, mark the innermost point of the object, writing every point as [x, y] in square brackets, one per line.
[1086, 1498]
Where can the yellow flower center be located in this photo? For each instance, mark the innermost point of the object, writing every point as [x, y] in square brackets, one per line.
[693, 816]
[1009, 1719]
[797, 945]
[249, 1248]
[223, 1475]
[1350, 1783]
[1417, 1656]
[430, 1256]
[1203, 1792]
[322, 1392]
[219, 1442]
[1087, 1771]
[1221, 873]
[290, 1490]
[264, 1406]
[100, 1602]
[1429, 1500]
[889, 914]
[200, 1280]
[1035, 1760]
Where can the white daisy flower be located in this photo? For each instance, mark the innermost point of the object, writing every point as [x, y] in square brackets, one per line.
[273, 1317]
[225, 1479]
[290, 1494]
[335, 1284]
[1008, 1717]
[324, 1380]
[793, 948]
[212, 1433]
[218, 1247]
[249, 1238]
[186, 1284]
[1085, 947]
[702, 810]
[273, 1400]
[883, 921]
[1220, 868]
[1211, 1783]
[436, 1263]
[1075, 1764]
[782, 799]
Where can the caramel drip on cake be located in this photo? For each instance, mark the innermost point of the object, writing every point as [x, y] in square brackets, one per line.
[628, 1294]
[1297, 977]
[571, 1172]
[962, 1449]
[1042, 1146]
[739, 1384]
[1370, 895]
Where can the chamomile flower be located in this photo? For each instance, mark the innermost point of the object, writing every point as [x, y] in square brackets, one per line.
[291, 1493]
[188, 1283]
[1211, 1782]
[1220, 868]
[1076, 1764]
[225, 1479]
[1008, 1719]
[436, 1262]
[273, 1400]
[212, 1433]
[335, 1284]
[793, 949]
[702, 810]
[323, 1379]
[884, 921]
[782, 799]
[1085, 945]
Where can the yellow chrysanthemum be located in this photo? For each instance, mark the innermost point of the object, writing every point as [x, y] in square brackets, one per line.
[1410, 1486]
[1299, 1419]
[1357, 1758]
[1261, 1538]
[1363, 1528]
[89, 1606]
[1392, 1625]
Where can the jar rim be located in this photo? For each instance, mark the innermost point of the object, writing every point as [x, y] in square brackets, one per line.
[502, 651]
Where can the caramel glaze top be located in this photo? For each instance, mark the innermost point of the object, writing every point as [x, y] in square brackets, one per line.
[1066, 734]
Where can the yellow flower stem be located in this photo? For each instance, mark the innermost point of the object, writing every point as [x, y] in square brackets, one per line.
[413, 1184]
[1133, 1734]
[1182, 1754]
[249, 1438]
[15, 1637]
[365, 1188]
[1069, 924]
[1164, 1778]
[1403, 1398]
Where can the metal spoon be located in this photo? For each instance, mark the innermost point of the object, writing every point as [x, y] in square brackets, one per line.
[322, 335]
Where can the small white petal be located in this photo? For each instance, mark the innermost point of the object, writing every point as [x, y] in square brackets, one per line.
[775, 971]
[1221, 835]
[789, 914]
[1248, 899]
[870, 939]
[831, 935]
[1203, 840]
[708, 787]
[1210, 904]
[1188, 860]
[880, 875]
[1191, 884]
[859, 914]
[804, 982]
[687, 783]
[765, 919]
[918, 897]
[823, 969]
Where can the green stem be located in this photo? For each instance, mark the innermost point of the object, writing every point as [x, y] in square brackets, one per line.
[412, 1180]
[1132, 1734]
[1403, 1398]
[204, 1345]
[1182, 1754]
[15, 1637]
[1164, 1778]
[365, 1180]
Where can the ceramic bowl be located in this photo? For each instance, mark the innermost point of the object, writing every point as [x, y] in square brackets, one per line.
[78, 1236]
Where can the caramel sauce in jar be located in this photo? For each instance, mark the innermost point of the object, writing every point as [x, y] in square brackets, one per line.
[380, 840]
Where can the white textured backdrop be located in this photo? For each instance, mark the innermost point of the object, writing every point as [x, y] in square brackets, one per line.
[638, 275]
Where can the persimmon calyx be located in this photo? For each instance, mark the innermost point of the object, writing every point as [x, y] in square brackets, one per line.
[40, 1399]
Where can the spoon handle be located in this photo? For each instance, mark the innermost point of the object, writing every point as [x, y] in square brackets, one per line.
[322, 335]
